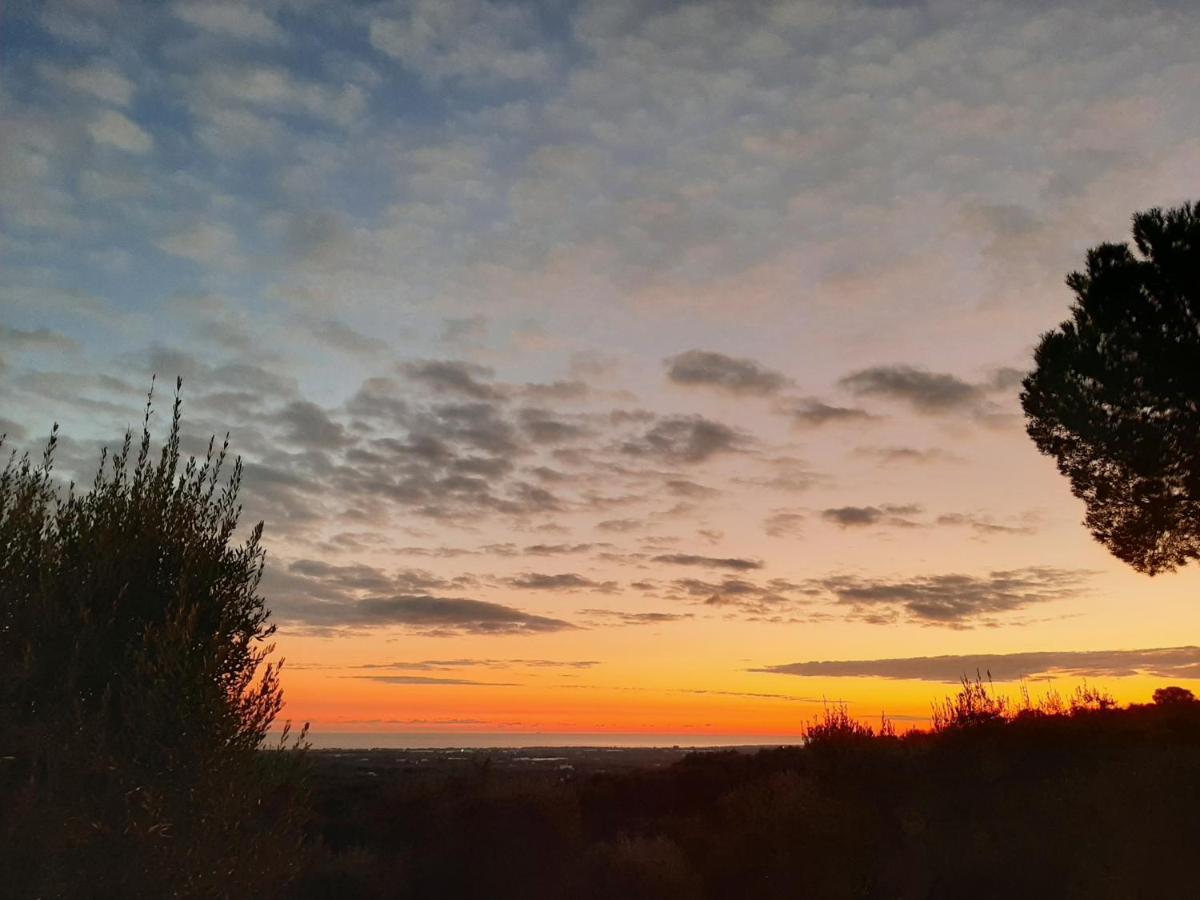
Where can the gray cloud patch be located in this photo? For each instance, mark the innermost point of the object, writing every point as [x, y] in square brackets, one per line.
[687, 439]
[620, 617]
[887, 456]
[42, 339]
[321, 596]
[936, 393]
[433, 615]
[452, 377]
[704, 368]
[772, 599]
[310, 426]
[430, 680]
[565, 581]
[813, 413]
[712, 562]
[437, 665]
[927, 392]
[952, 600]
[1166, 662]
[339, 336]
[982, 525]
[783, 523]
[860, 516]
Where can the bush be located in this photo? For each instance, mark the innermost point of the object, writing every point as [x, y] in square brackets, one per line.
[836, 726]
[135, 686]
[976, 704]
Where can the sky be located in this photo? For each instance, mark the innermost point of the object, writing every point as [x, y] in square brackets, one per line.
[605, 366]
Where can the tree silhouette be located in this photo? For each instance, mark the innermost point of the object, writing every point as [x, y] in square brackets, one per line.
[1174, 696]
[135, 686]
[1115, 395]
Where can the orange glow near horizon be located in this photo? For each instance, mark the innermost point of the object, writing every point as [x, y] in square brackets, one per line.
[350, 706]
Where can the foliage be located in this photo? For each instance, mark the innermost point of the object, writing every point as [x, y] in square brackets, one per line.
[1115, 392]
[975, 704]
[837, 726]
[1081, 798]
[1174, 695]
[135, 686]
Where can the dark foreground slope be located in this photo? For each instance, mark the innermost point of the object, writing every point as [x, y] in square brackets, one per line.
[1096, 803]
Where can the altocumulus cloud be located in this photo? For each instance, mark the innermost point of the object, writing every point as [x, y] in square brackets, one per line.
[704, 368]
[952, 600]
[687, 440]
[310, 594]
[929, 393]
[735, 563]
[429, 614]
[1163, 662]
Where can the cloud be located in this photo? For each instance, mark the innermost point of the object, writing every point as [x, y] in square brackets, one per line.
[433, 665]
[36, 340]
[431, 615]
[887, 456]
[687, 440]
[10, 430]
[566, 581]
[858, 516]
[711, 562]
[476, 43]
[308, 425]
[340, 336]
[320, 596]
[453, 377]
[426, 680]
[232, 20]
[775, 598]
[952, 600]
[982, 524]
[544, 427]
[786, 473]
[927, 392]
[620, 526]
[813, 413]
[1165, 662]
[936, 393]
[705, 368]
[783, 523]
[556, 549]
[681, 487]
[274, 90]
[96, 79]
[207, 243]
[116, 130]
[621, 617]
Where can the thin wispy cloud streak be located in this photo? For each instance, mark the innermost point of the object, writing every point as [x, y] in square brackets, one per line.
[1162, 662]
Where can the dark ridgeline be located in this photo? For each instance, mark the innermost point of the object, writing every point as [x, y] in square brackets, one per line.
[1063, 797]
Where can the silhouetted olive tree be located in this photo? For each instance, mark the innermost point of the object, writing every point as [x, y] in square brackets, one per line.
[135, 686]
[1115, 395]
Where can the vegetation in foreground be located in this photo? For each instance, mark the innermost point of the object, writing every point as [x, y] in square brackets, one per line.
[135, 685]
[1054, 798]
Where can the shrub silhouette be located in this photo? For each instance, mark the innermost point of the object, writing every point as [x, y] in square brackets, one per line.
[135, 686]
[1172, 696]
[976, 704]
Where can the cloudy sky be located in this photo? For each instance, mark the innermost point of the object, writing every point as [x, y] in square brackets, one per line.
[600, 368]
